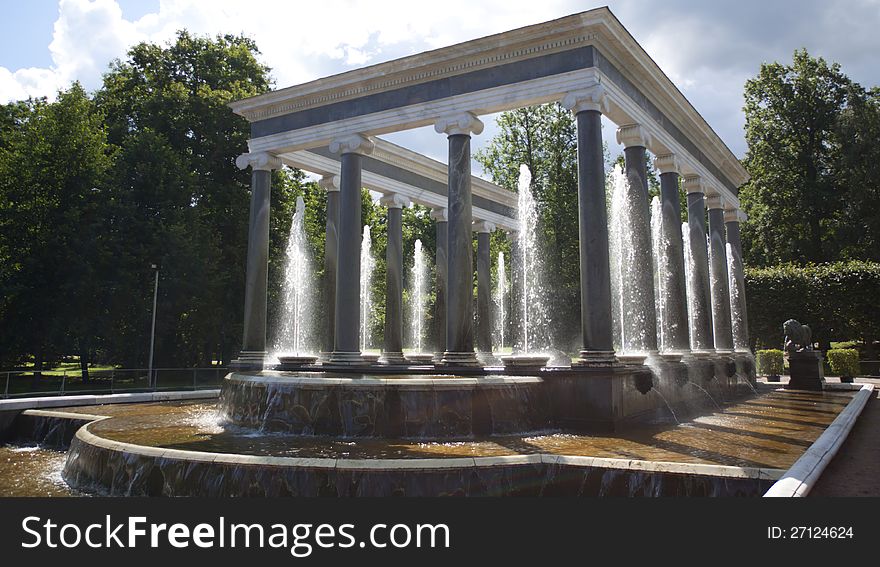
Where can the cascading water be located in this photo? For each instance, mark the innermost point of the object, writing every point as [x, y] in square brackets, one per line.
[534, 312]
[296, 330]
[501, 301]
[368, 265]
[630, 307]
[737, 318]
[661, 263]
[418, 295]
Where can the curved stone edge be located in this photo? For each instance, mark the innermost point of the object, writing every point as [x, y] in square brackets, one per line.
[101, 399]
[803, 474]
[87, 437]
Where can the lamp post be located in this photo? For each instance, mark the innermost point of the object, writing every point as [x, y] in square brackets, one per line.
[153, 329]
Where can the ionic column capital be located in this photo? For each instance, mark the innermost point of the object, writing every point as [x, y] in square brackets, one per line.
[694, 184]
[462, 123]
[440, 214]
[352, 144]
[329, 183]
[667, 163]
[732, 214]
[258, 161]
[632, 135]
[592, 97]
[714, 200]
[483, 226]
[394, 201]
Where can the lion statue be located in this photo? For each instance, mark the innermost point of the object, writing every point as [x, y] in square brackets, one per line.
[797, 337]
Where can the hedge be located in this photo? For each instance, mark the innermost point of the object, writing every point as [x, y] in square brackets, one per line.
[844, 362]
[769, 362]
[839, 301]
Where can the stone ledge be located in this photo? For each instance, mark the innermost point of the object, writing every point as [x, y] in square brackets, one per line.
[803, 474]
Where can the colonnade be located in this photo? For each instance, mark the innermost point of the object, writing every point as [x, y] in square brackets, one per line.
[715, 321]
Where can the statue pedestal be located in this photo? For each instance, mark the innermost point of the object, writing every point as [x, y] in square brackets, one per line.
[806, 370]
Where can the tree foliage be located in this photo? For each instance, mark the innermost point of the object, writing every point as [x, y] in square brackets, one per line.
[812, 156]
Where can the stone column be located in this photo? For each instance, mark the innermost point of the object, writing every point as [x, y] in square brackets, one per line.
[701, 315]
[672, 278]
[484, 290]
[392, 351]
[595, 271]
[253, 349]
[330, 183]
[718, 277]
[441, 220]
[635, 141]
[346, 349]
[460, 274]
[738, 310]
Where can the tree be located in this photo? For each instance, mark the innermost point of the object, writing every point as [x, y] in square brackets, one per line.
[795, 193]
[53, 168]
[181, 201]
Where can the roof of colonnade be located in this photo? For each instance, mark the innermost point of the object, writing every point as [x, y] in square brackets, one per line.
[531, 65]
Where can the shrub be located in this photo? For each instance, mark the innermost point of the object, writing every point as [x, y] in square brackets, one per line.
[844, 362]
[769, 362]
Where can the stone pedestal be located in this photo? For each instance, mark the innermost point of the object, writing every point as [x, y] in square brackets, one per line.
[806, 371]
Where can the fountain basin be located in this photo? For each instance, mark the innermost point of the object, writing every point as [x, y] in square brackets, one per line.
[357, 405]
[525, 361]
[420, 359]
[297, 360]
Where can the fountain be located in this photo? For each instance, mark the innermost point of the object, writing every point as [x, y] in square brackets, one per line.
[534, 320]
[501, 302]
[632, 306]
[368, 266]
[418, 297]
[294, 343]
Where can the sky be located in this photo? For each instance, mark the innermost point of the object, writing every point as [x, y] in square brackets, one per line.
[708, 49]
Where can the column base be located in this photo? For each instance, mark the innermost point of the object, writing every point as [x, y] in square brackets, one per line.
[468, 359]
[249, 360]
[392, 358]
[596, 359]
[342, 358]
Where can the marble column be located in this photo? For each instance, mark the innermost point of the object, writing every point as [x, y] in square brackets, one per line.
[484, 291]
[253, 349]
[643, 330]
[460, 272]
[718, 276]
[738, 310]
[673, 302]
[330, 183]
[701, 307]
[392, 351]
[346, 349]
[595, 272]
[441, 223]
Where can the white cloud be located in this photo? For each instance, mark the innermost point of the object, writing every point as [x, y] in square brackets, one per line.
[707, 49]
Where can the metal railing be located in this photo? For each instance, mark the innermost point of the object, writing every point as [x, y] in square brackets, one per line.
[27, 383]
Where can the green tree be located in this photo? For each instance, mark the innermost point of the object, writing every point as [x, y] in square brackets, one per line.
[53, 168]
[181, 201]
[795, 192]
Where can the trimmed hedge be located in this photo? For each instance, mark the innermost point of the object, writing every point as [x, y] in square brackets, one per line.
[839, 301]
[844, 362]
[769, 362]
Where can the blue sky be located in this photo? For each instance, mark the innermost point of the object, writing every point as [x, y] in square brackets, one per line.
[708, 49]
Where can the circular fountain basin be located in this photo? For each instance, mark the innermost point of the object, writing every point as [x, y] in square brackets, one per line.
[355, 405]
[297, 360]
[421, 358]
[632, 359]
[525, 361]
